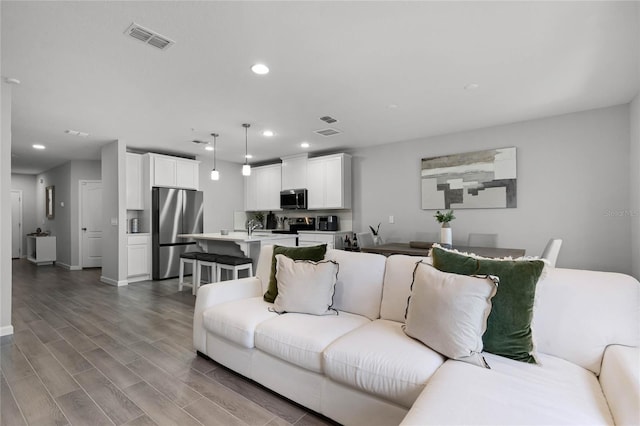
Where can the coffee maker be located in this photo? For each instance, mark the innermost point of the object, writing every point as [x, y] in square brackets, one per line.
[328, 223]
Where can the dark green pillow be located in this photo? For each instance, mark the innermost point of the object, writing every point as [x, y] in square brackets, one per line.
[509, 324]
[315, 253]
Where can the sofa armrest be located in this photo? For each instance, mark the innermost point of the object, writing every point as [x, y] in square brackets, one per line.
[620, 382]
[215, 293]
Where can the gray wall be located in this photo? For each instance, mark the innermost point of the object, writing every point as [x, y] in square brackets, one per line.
[60, 225]
[26, 184]
[573, 179]
[114, 250]
[222, 197]
[66, 222]
[634, 158]
[5, 209]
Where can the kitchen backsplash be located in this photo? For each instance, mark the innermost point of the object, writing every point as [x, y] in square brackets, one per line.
[345, 217]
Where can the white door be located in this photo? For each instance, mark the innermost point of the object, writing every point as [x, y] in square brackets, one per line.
[91, 223]
[16, 224]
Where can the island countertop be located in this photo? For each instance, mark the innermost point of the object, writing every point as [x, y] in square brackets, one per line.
[238, 237]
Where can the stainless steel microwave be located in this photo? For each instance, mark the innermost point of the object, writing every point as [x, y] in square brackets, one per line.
[293, 199]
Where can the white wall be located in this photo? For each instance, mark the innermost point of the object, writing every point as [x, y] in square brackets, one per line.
[26, 184]
[114, 250]
[5, 209]
[222, 197]
[573, 179]
[634, 163]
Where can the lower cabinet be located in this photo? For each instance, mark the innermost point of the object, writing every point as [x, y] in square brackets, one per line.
[138, 257]
[41, 250]
[333, 240]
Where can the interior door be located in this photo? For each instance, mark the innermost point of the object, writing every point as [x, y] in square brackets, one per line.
[91, 223]
[16, 224]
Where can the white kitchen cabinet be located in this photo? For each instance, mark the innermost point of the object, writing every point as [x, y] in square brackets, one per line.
[333, 240]
[329, 182]
[134, 182]
[41, 250]
[138, 257]
[294, 172]
[262, 188]
[174, 172]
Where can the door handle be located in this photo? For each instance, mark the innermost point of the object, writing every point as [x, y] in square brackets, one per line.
[84, 229]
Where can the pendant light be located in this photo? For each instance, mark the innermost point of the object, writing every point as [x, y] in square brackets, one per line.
[215, 175]
[246, 168]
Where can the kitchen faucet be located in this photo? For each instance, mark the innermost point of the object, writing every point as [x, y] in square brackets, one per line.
[253, 224]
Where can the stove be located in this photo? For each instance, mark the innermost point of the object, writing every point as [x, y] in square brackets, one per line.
[298, 224]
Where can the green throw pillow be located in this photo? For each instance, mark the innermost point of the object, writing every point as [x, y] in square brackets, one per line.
[509, 325]
[315, 253]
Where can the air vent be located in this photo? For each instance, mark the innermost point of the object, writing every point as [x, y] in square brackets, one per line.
[327, 132]
[328, 119]
[200, 142]
[149, 37]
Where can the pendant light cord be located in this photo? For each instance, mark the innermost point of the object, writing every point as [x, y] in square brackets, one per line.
[246, 144]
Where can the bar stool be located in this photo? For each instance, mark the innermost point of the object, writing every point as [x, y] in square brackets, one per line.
[235, 264]
[205, 260]
[188, 258]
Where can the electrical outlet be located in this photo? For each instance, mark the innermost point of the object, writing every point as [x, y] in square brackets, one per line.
[392, 219]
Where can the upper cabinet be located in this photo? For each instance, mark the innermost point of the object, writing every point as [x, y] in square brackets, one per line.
[262, 188]
[329, 182]
[174, 172]
[294, 172]
[135, 199]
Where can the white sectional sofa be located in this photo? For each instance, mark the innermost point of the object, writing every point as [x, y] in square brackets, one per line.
[360, 368]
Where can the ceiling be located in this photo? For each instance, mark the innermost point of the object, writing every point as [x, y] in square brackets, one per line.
[387, 71]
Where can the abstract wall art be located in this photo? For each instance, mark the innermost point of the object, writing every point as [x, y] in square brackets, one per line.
[481, 179]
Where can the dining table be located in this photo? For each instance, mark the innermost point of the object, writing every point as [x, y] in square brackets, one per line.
[422, 249]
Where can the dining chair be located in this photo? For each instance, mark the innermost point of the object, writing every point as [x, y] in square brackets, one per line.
[365, 239]
[482, 240]
[551, 251]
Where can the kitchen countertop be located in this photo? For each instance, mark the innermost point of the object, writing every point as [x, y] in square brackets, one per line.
[235, 236]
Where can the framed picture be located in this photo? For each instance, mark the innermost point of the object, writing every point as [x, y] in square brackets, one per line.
[481, 179]
[49, 201]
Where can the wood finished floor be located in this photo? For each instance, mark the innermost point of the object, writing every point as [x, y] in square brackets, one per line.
[85, 353]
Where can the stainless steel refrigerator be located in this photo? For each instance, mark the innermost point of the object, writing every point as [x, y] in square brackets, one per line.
[174, 212]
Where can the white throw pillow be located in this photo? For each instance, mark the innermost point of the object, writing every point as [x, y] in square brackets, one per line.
[305, 286]
[448, 312]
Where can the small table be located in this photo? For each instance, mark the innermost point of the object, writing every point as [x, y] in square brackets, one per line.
[404, 248]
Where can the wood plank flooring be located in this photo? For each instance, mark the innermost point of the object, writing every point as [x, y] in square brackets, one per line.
[85, 353]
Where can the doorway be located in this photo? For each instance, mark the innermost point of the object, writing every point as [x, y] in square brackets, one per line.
[90, 223]
[16, 223]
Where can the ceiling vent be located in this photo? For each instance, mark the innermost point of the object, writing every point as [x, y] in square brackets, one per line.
[149, 37]
[328, 119]
[327, 132]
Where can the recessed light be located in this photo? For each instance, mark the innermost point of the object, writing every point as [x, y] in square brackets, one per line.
[208, 148]
[471, 86]
[268, 133]
[392, 106]
[305, 145]
[249, 156]
[260, 69]
[38, 146]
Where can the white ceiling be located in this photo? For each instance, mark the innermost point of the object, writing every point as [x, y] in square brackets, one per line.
[350, 60]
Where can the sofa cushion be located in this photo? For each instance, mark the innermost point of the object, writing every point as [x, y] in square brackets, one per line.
[359, 286]
[398, 277]
[511, 393]
[380, 359]
[448, 312]
[297, 253]
[305, 286]
[509, 327]
[300, 339]
[237, 320]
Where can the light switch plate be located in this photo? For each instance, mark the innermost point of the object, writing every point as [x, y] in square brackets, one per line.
[114, 221]
[392, 219]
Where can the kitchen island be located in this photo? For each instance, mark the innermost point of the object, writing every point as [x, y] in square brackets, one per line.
[239, 243]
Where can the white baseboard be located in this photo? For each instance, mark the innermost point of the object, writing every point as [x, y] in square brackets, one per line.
[113, 282]
[6, 330]
[69, 267]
